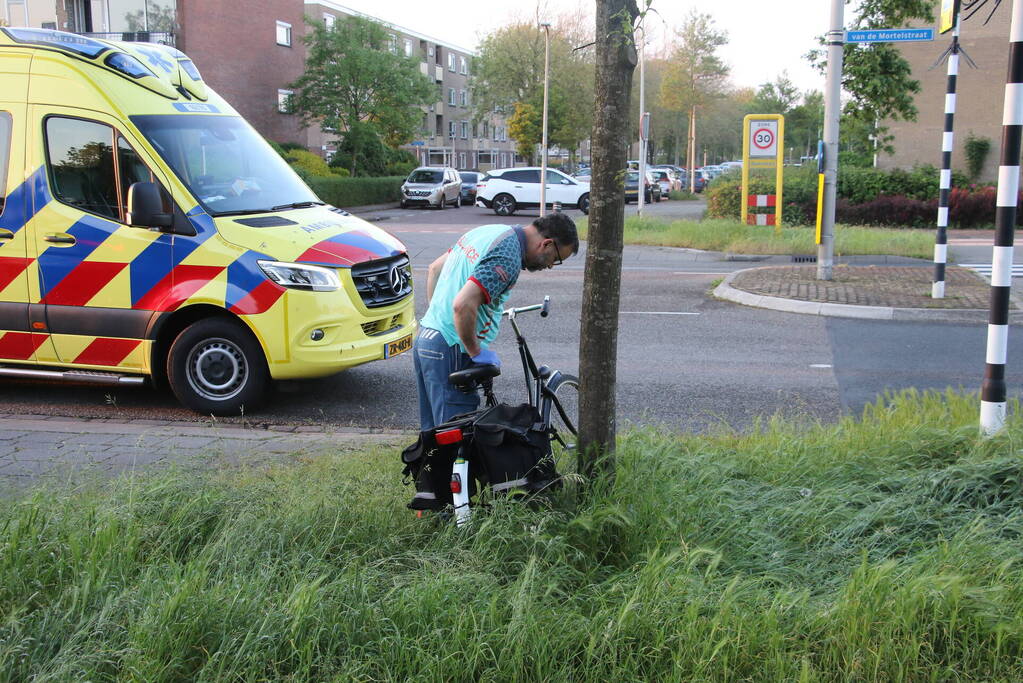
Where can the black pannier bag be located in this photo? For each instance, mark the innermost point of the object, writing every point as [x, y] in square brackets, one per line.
[428, 463]
[505, 447]
[512, 451]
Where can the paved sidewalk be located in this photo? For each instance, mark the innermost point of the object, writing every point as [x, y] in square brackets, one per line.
[40, 448]
[876, 292]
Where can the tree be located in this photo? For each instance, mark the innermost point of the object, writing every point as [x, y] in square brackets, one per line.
[598, 338]
[876, 77]
[696, 75]
[525, 127]
[509, 72]
[778, 97]
[354, 73]
[154, 18]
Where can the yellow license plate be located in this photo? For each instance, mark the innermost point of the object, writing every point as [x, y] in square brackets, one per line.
[396, 347]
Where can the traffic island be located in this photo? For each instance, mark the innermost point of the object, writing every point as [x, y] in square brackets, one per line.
[877, 292]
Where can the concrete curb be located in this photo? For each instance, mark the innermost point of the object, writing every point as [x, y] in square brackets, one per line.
[961, 315]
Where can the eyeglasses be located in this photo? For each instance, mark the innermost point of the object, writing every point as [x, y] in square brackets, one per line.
[557, 255]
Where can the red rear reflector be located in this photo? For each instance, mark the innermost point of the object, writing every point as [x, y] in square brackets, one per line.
[449, 437]
[456, 484]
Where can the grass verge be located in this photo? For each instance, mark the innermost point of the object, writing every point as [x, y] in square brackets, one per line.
[734, 237]
[880, 548]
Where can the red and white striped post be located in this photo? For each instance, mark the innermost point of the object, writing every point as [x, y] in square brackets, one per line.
[993, 389]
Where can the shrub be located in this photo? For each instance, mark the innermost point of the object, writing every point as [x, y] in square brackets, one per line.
[976, 150]
[866, 196]
[307, 164]
[344, 192]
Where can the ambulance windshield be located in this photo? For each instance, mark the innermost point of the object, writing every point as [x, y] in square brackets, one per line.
[226, 164]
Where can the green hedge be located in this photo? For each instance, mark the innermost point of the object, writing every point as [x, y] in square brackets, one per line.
[346, 192]
[856, 186]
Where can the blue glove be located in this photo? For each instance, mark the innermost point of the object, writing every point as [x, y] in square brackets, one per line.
[486, 357]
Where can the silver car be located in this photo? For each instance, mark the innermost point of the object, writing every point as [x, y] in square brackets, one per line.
[435, 186]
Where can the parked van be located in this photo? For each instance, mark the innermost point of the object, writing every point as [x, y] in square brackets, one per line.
[148, 232]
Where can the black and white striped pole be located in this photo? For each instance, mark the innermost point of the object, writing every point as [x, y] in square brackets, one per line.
[993, 389]
[941, 240]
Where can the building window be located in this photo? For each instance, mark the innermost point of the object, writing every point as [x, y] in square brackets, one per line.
[465, 130]
[451, 61]
[451, 96]
[328, 21]
[475, 129]
[461, 160]
[392, 43]
[486, 130]
[463, 98]
[284, 33]
[451, 129]
[463, 65]
[408, 47]
[284, 101]
[497, 133]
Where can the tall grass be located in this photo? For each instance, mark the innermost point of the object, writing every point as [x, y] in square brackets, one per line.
[880, 548]
[732, 236]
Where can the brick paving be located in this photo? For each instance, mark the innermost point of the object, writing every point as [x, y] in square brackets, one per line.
[892, 286]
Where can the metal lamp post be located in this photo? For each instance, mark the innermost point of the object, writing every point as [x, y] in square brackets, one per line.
[546, 83]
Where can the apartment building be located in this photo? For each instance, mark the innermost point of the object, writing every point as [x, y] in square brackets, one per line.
[448, 136]
[249, 52]
[979, 100]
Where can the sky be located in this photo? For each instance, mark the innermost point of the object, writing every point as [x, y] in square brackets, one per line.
[765, 38]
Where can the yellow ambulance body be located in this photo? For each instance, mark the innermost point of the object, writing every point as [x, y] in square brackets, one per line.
[147, 231]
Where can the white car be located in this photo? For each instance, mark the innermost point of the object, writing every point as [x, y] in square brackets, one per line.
[435, 186]
[507, 190]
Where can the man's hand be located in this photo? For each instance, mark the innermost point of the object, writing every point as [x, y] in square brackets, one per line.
[486, 357]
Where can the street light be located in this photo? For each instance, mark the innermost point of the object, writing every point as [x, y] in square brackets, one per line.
[546, 80]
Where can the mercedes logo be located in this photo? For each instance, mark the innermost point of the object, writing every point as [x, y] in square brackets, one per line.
[397, 280]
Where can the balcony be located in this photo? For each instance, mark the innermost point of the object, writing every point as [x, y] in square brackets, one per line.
[161, 37]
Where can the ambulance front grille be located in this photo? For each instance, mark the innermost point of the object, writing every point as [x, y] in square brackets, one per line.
[382, 326]
[383, 282]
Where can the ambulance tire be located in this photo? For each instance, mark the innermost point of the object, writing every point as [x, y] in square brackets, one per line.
[216, 367]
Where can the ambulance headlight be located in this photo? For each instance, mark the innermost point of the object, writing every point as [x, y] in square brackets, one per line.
[301, 276]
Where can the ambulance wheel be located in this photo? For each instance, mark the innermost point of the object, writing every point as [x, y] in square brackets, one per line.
[216, 366]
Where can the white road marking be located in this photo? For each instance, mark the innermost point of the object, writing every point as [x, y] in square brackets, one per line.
[985, 268]
[820, 365]
[656, 313]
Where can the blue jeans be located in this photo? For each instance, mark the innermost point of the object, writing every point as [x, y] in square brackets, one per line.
[434, 360]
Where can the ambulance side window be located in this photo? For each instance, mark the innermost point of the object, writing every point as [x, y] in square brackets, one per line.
[81, 159]
[132, 168]
[5, 154]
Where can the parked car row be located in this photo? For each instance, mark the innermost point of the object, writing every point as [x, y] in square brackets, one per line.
[509, 189]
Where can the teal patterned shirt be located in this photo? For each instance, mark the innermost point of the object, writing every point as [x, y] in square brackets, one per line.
[490, 256]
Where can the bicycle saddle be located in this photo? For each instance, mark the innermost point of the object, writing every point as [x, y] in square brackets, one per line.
[472, 376]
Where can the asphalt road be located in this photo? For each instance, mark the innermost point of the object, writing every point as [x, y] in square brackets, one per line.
[686, 360]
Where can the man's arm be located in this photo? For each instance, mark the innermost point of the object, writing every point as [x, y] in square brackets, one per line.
[466, 307]
[433, 274]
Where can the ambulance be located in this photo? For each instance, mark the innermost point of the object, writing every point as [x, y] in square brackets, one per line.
[148, 233]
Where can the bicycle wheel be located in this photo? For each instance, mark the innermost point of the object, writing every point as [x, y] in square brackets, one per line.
[562, 409]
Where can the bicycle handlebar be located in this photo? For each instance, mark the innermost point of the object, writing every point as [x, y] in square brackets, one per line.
[544, 308]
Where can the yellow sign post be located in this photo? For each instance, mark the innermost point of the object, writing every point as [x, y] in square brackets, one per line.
[763, 146]
[949, 12]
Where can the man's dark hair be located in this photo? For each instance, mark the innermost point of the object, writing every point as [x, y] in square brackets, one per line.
[560, 228]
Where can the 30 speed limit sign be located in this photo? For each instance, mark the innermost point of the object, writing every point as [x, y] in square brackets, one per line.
[763, 139]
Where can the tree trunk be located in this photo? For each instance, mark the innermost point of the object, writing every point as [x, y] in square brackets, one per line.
[598, 339]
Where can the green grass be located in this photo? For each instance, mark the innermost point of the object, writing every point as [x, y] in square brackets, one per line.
[734, 237]
[880, 548]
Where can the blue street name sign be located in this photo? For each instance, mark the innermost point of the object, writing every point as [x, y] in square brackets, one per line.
[889, 35]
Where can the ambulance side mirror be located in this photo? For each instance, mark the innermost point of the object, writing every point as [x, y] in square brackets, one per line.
[145, 207]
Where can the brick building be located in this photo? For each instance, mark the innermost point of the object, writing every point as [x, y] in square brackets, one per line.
[249, 52]
[980, 94]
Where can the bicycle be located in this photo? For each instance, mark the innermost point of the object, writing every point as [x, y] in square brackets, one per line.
[552, 393]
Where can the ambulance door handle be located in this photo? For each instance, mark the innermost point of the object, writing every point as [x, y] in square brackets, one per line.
[6, 234]
[60, 238]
